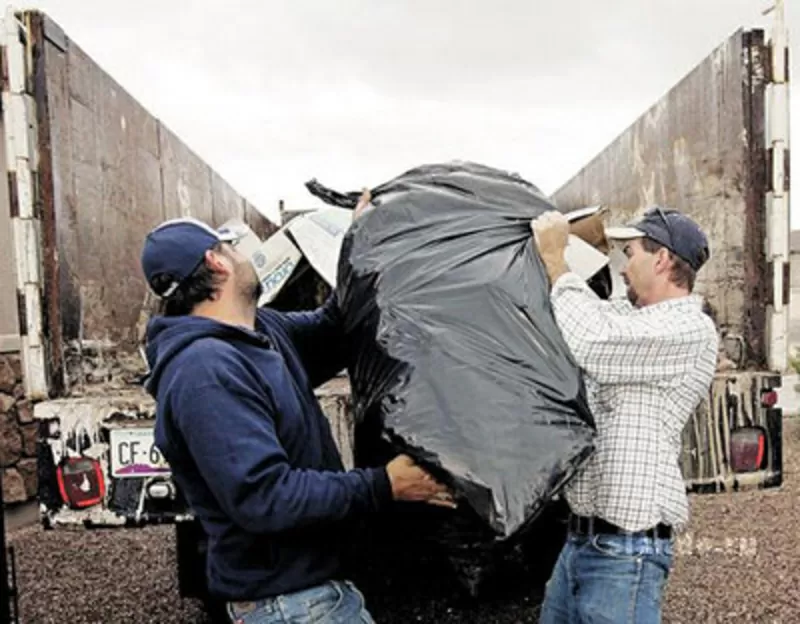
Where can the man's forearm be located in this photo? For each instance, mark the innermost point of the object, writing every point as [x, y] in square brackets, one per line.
[555, 265]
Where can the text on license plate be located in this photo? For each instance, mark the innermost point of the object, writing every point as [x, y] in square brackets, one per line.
[134, 454]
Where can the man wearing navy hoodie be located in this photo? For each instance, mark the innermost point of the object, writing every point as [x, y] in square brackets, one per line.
[248, 444]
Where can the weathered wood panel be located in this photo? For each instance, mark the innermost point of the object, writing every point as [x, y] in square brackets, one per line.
[110, 172]
[699, 149]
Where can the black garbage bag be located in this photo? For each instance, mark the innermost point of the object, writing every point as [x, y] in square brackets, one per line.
[458, 360]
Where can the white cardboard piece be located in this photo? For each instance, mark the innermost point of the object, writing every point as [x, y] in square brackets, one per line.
[583, 259]
[274, 259]
[319, 235]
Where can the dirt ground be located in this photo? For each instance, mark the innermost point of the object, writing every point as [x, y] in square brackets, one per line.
[740, 562]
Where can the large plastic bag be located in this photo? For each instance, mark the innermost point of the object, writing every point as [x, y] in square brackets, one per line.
[458, 359]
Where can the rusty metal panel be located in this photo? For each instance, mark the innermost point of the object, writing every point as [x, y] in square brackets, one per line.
[60, 241]
[186, 180]
[114, 148]
[225, 202]
[110, 171]
[103, 186]
[697, 149]
[262, 226]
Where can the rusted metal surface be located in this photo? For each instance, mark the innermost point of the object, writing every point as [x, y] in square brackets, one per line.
[57, 289]
[700, 149]
[110, 172]
[105, 194]
[262, 226]
[758, 293]
[225, 202]
[186, 179]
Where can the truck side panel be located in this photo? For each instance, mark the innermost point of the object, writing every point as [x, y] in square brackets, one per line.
[111, 171]
[186, 180]
[700, 149]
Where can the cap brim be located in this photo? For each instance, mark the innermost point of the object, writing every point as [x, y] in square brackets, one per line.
[230, 234]
[623, 233]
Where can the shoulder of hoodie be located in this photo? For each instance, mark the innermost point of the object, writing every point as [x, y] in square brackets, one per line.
[209, 358]
[272, 319]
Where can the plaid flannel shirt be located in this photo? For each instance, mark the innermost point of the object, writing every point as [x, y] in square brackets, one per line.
[646, 371]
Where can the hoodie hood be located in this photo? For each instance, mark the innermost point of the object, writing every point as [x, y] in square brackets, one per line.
[167, 336]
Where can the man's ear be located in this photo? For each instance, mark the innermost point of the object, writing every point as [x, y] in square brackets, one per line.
[663, 260]
[217, 262]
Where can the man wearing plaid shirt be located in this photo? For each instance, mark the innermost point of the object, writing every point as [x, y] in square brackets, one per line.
[648, 362]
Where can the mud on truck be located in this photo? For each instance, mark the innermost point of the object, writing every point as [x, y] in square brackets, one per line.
[89, 172]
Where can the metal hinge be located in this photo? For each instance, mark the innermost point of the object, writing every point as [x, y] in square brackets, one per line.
[13, 200]
[22, 313]
[772, 175]
[775, 70]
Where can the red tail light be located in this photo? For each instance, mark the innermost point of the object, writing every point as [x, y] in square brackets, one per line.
[748, 449]
[769, 398]
[80, 481]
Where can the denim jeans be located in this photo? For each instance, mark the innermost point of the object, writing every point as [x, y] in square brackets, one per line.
[608, 579]
[335, 602]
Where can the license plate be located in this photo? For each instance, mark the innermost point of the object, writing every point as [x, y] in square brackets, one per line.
[134, 454]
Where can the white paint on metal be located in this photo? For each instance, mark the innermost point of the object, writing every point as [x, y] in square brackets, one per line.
[15, 53]
[184, 197]
[19, 124]
[777, 201]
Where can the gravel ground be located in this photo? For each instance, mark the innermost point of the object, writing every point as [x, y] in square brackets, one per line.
[738, 563]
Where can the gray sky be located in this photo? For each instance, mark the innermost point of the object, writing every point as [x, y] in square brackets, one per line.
[353, 92]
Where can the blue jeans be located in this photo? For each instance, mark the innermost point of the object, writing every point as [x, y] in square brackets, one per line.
[608, 579]
[334, 602]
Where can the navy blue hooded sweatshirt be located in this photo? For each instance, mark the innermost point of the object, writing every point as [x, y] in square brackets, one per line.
[251, 450]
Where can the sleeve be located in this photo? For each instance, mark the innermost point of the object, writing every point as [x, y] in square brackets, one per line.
[230, 434]
[319, 338]
[613, 343]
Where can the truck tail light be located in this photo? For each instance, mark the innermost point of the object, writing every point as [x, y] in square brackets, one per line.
[748, 449]
[80, 481]
[769, 398]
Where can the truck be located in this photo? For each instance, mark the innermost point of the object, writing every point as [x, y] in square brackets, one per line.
[89, 171]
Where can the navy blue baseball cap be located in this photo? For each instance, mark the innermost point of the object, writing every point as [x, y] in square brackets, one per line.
[176, 248]
[672, 229]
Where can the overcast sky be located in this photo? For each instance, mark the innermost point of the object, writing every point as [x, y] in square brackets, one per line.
[272, 93]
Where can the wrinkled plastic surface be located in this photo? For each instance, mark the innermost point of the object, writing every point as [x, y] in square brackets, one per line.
[458, 359]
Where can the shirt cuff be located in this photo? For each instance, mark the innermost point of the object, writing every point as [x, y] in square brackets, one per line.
[567, 281]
